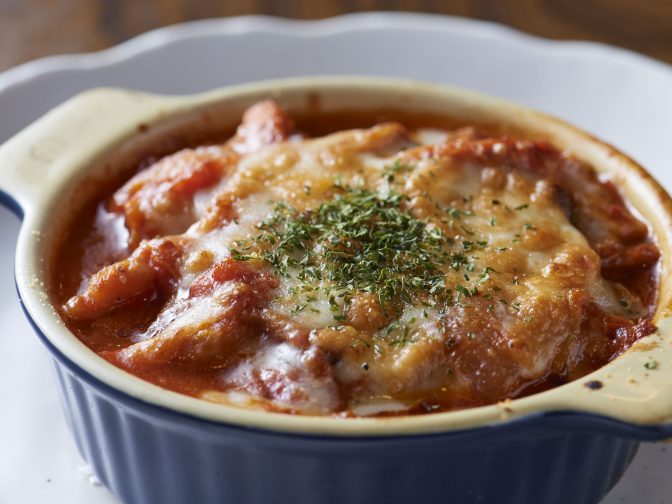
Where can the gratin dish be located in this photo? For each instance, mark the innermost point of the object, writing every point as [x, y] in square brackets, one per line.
[147, 444]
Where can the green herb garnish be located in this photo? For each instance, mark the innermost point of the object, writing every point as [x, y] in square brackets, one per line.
[360, 241]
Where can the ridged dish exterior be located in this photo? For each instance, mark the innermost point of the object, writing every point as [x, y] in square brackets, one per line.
[146, 454]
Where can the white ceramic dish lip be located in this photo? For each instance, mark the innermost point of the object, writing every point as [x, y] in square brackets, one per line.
[36, 164]
[159, 37]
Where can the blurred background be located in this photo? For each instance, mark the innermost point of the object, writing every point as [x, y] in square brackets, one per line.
[31, 29]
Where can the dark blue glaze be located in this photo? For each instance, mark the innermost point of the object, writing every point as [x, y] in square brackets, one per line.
[149, 454]
[8, 201]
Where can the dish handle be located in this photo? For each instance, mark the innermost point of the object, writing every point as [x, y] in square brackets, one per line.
[51, 150]
[631, 395]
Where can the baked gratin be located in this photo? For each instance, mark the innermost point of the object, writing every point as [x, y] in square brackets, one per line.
[391, 270]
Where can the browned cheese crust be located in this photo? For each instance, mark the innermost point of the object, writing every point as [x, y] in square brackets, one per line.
[367, 272]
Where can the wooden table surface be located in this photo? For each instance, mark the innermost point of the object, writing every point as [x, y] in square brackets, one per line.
[34, 28]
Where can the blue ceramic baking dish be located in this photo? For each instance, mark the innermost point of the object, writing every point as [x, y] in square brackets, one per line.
[570, 444]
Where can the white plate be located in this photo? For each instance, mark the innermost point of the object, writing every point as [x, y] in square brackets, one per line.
[618, 95]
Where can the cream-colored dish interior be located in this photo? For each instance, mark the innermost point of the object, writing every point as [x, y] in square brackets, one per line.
[43, 168]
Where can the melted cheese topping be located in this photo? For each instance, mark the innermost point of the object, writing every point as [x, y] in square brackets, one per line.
[523, 296]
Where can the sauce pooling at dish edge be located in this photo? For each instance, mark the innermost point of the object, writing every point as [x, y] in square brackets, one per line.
[377, 271]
